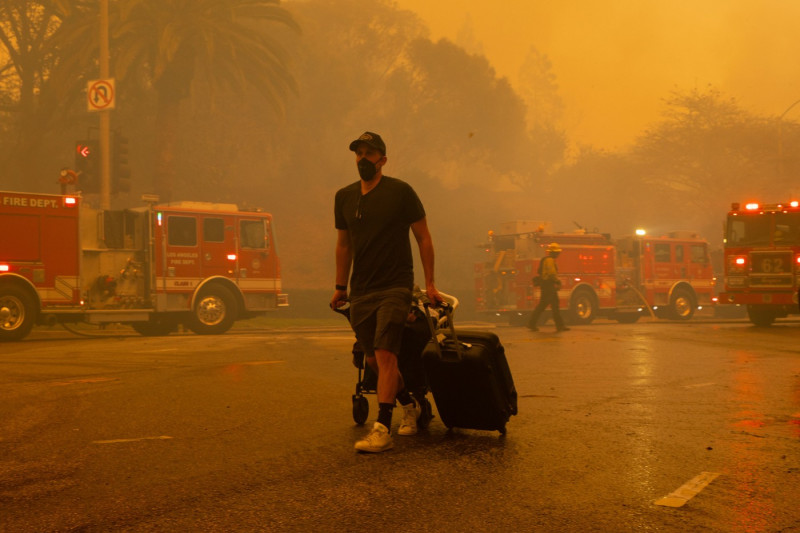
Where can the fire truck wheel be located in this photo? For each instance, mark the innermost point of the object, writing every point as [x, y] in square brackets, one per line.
[582, 306]
[681, 304]
[214, 311]
[17, 313]
[760, 316]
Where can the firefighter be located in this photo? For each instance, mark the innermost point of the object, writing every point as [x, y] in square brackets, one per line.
[548, 284]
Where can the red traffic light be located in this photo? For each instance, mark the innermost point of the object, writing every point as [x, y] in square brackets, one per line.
[83, 150]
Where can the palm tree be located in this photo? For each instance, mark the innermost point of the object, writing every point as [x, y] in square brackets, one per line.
[224, 42]
[167, 45]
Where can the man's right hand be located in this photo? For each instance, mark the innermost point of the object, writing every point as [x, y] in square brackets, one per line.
[339, 299]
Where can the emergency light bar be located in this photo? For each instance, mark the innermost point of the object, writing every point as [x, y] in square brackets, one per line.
[70, 201]
[4, 268]
[754, 206]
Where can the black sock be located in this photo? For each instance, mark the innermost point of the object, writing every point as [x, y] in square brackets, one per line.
[404, 397]
[385, 414]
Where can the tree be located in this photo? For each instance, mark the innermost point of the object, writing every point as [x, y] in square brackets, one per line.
[217, 39]
[173, 46]
[467, 124]
[706, 152]
[455, 131]
[539, 89]
[603, 191]
[28, 56]
[467, 39]
[345, 67]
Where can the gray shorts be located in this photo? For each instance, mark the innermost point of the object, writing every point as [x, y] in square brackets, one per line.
[378, 319]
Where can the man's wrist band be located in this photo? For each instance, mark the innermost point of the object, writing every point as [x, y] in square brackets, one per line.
[341, 287]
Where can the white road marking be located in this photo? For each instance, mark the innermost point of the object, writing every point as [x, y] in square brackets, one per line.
[115, 441]
[689, 490]
[83, 380]
[330, 337]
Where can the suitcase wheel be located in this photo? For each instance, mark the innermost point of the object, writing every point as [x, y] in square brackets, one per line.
[360, 409]
[426, 415]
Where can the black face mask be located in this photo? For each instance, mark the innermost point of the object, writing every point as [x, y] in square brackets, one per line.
[366, 169]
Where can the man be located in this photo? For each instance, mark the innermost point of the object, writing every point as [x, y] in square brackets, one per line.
[549, 285]
[373, 217]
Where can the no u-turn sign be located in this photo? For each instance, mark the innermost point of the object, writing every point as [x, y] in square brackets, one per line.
[100, 95]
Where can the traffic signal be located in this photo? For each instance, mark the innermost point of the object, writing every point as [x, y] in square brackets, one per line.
[87, 165]
[120, 166]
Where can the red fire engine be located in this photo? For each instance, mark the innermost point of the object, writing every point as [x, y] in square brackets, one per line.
[203, 265]
[618, 279]
[762, 260]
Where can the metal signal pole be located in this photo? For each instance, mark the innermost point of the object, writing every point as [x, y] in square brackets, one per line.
[105, 115]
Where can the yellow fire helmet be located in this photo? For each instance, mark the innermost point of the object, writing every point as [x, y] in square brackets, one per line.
[553, 247]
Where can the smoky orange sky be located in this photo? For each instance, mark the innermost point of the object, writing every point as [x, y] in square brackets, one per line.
[616, 60]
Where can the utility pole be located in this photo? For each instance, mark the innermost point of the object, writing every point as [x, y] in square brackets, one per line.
[780, 140]
[105, 114]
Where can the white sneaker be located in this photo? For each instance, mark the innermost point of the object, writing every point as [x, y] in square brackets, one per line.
[377, 440]
[410, 415]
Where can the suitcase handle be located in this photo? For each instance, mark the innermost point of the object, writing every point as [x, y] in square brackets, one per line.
[435, 331]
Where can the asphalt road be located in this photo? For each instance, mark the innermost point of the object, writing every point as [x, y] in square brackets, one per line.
[254, 432]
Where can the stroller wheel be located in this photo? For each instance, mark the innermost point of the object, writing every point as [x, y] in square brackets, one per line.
[426, 413]
[360, 409]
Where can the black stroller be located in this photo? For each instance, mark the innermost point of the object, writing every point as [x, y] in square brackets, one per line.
[416, 335]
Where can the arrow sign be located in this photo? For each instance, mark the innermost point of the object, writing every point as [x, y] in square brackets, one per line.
[84, 150]
[100, 95]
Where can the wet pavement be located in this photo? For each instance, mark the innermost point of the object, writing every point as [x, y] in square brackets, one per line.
[254, 432]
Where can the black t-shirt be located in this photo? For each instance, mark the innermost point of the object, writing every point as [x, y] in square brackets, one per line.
[378, 223]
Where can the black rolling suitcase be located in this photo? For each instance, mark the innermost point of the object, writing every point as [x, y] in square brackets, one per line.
[470, 379]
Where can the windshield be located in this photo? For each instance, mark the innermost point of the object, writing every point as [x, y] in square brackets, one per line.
[787, 228]
[763, 229]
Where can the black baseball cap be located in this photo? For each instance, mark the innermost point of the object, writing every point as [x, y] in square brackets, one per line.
[372, 139]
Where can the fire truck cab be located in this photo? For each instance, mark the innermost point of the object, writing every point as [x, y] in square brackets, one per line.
[203, 265]
[672, 274]
[762, 260]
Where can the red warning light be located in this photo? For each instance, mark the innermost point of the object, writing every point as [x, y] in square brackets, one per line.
[83, 150]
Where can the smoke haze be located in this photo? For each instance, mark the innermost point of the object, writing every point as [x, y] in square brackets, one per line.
[616, 60]
[611, 115]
